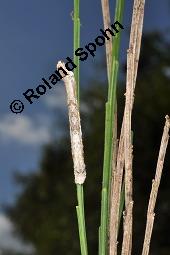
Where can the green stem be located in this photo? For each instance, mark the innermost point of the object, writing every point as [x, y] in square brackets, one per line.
[81, 220]
[80, 193]
[109, 134]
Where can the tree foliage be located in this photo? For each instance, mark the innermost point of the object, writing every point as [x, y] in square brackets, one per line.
[44, 213]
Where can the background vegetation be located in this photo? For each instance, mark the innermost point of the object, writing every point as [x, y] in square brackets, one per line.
[44, 212]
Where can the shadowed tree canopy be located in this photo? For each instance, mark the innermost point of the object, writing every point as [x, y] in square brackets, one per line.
[44, 213]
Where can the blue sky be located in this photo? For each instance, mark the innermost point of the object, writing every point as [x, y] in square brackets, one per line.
[34, 36]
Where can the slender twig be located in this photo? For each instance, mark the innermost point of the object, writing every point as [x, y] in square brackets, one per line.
[77, 151]
[116, 201]
[80, 192]
[109, 137]
[116, 195]
[76, 44]
[155, 187]
[108, 45]
[107, 22]
[115, 51]
[132, 65]
[127, 221]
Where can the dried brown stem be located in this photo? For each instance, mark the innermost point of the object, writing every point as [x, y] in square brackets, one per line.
[107, 22]
[135, 43]
[155, 187]
[75, 127]
[132, 66]
[127, 237]
[116, 194]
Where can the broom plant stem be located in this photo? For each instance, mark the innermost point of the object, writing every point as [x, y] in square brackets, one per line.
[77, 45]
[80, 193]
[109, 134]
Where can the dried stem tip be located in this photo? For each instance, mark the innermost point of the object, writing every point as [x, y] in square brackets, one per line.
[155, 187]
[75, 127]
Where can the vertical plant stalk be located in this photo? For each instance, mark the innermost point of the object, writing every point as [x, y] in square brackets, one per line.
[76, 44]
[77, 151]
[108, 46]
[109, 132]
[116, 197]
[80, 192]
[155, 187]
[107, 23]
[132, 65]
[117, 190]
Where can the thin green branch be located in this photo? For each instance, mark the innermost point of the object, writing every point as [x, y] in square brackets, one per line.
[109, 136]
[81, 220]
[80, 193]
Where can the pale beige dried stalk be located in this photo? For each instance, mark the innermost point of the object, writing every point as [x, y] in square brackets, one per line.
[155, 187]
[135, 43]
[127, 221]
[116, 194]
[132, 65]
[107, 22]
[75, 127]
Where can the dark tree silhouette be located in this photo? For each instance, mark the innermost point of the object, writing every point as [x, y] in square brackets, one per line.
[44, 213]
